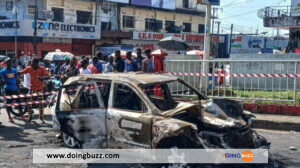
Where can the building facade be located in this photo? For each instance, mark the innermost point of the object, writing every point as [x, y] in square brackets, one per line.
[69, 25]
[286, 18]
[85, 27]
[142, 23]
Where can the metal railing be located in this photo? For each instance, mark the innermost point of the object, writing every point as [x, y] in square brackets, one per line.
[265, 80]
[278, 11]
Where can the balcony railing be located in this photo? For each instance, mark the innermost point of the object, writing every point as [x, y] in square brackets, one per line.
[278, 11]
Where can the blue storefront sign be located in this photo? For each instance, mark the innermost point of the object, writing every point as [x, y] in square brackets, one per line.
[214, 2]
[107, 50]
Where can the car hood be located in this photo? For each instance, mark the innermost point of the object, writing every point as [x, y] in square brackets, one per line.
[217, 113]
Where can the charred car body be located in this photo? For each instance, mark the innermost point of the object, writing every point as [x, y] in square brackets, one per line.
[141, 110]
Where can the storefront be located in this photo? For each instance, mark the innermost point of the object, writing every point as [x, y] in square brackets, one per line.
[149, 40]
[76, 38]
[111, 41]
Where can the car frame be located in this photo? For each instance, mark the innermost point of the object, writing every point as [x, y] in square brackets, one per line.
[105, 126]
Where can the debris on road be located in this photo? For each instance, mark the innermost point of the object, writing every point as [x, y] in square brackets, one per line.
[293, 148]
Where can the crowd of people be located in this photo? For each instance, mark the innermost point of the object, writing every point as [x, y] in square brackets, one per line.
[37, 71]
[97, 64]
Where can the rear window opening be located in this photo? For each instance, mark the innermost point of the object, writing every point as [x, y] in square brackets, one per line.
[165, 95]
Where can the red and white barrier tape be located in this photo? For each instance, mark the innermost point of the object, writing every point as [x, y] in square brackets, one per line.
[27, 95]
[237, 75]
[39, 94]
[26, 103]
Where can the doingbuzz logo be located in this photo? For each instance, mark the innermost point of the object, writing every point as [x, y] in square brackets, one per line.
[246, 156]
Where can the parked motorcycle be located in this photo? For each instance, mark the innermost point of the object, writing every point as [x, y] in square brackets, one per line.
[50, 85]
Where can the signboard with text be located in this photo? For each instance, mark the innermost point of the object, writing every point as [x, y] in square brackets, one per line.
[158, 36]
[246, 44]
[50, 29]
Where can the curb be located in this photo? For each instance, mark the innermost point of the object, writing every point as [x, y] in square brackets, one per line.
[272, 109]
[275, 122]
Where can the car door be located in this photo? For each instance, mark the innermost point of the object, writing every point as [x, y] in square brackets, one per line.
[82, 115]
[129, 122]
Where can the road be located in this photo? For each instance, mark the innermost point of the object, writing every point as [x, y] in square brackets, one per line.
[17, 141]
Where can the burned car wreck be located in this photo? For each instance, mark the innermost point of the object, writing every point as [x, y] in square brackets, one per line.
[136, 110]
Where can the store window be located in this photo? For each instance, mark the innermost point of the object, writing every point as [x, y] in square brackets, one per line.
[185, 3]
[150, 24]
[58, 14]
[187, 27]
[105, 25]
[169, 26]
[84, 17]
[128, 21]
[201, 28]
[2, 52]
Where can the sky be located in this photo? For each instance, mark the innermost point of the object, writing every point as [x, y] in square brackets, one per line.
[243, 15]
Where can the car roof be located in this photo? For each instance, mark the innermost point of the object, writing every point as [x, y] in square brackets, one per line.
[136, 77]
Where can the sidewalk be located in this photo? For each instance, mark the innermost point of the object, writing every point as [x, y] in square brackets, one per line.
[276, 122]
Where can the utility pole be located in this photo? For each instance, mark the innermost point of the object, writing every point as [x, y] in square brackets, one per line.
[16, 28]
[230, 38]
[207, 49]
[277, 38]
[35, 28]
[218, 32]
[213, 20]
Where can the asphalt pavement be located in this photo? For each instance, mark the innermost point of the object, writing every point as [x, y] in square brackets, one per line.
[18, 139]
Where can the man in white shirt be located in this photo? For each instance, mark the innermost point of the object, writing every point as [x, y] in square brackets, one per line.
[84, 69]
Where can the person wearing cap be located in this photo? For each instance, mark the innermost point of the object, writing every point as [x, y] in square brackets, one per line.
[147, 64]
[10, 77]
[37, 76]
[67, 62]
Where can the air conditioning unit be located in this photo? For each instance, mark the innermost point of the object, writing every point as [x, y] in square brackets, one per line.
[182, 27]
[42, 15]
[50, 15]
[30, 9]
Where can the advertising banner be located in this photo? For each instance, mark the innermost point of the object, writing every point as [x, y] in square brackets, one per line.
[107, 50]
[49, 29]
[166, 156]
[246, 44]
[119, 1]
[142, 2]
[165, 4]
[188, 37]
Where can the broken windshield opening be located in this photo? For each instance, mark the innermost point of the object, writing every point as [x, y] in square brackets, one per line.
[165, 95]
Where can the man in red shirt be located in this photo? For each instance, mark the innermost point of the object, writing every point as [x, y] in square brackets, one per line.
[93, 67]
[37, 76]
